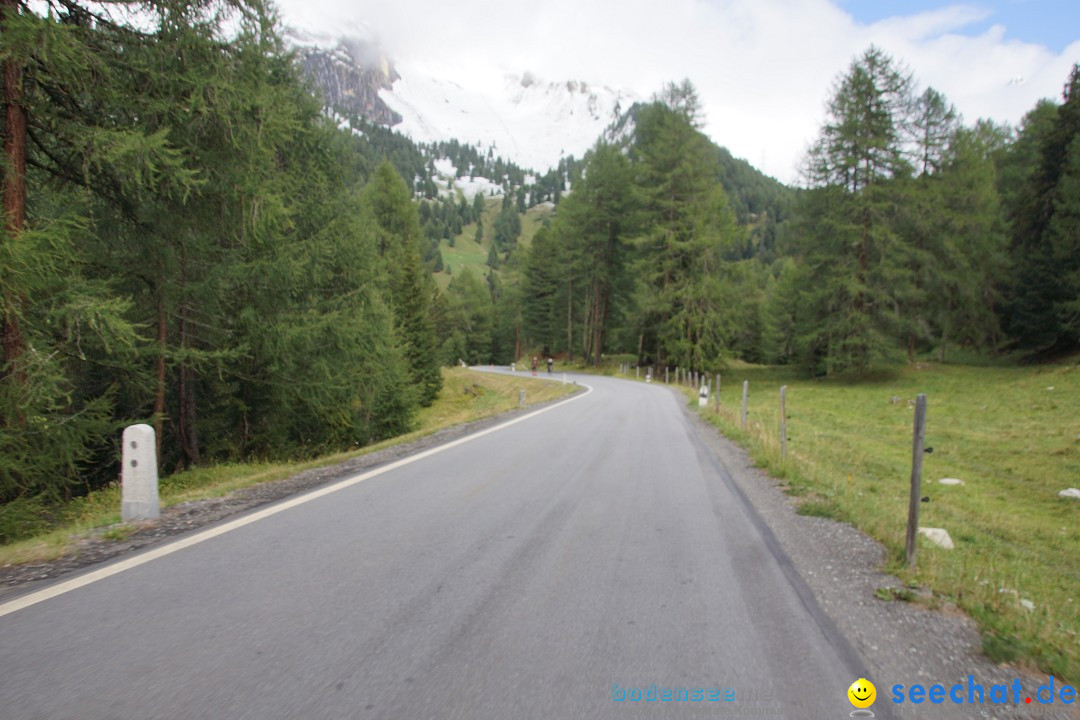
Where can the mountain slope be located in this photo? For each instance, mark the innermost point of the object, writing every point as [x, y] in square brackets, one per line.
[527, 122]
[532, 123]
[350, 78]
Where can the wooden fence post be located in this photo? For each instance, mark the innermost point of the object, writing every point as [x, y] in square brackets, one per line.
[916, 478]
[783, 421]
[745, 392]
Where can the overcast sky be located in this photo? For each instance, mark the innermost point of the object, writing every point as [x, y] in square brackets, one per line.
[764, 68]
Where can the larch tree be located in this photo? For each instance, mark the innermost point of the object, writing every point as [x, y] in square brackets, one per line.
[596, 217]
[859, 265]
[1045, 316]
[410, 288]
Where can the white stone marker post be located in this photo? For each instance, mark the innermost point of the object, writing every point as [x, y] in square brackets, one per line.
[138, 476]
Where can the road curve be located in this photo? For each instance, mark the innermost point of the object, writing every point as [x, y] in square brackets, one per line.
[535, 572]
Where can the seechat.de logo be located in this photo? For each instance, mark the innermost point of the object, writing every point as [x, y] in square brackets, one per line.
[862, 694]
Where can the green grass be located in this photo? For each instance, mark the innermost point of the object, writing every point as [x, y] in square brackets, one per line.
[1014, 441]
[467, 253]
[488, 395]
[532, 221]
[815, 507]
[890, 594]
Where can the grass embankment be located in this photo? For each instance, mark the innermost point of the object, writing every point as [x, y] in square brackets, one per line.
[466, 253]
[488, 394]
[1011, 434]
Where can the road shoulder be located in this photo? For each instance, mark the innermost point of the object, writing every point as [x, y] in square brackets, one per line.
[899, 642]
[185, 518]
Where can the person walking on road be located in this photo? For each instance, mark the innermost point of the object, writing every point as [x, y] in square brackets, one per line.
[534, 365]
[550, 363]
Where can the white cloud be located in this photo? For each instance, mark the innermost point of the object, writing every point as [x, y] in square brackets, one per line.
[764, 68]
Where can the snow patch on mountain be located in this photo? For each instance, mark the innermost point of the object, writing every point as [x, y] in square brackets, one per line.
[447, 180]
[469, 187]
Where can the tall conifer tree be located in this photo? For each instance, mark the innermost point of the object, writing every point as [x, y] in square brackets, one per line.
[410, 287]
[860, 266]
[1045, 315]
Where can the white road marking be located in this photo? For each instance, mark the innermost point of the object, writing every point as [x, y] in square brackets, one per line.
[116, 568]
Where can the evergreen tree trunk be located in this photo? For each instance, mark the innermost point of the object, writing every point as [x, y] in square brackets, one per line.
[589, 331]
[602, 296]
[863, 361]
[14, 194]
[598, 327]
[159, 393]
[570, 315]
[186, 413]
[189, 437]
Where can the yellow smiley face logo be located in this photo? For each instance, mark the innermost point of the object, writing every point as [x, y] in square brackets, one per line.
[862, 693]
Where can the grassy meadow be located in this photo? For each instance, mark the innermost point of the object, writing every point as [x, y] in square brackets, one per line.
[487, 395]
[1012, 434]
[467, 253]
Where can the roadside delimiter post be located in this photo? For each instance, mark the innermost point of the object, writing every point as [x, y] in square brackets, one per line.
[138, 475]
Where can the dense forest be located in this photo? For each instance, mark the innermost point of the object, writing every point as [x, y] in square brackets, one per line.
[914, 234]
[190, 240]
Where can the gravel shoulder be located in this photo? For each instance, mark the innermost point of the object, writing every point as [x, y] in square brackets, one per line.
[900, 642]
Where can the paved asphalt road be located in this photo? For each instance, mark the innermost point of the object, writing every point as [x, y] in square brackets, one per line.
[523, 574]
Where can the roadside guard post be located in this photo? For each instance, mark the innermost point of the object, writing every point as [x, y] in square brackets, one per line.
[648, 376]
[138, 475]
[703, 396]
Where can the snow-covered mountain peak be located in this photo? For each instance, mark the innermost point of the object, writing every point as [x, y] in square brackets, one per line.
[530, 121]
[570, 95]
